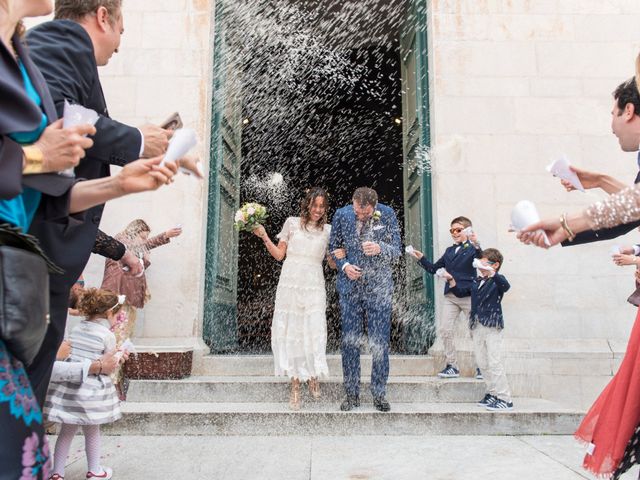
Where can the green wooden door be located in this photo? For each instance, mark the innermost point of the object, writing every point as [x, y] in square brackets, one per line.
[221, 279]
[419, 330]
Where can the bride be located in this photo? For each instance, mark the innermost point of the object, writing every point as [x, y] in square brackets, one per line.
[299, 327]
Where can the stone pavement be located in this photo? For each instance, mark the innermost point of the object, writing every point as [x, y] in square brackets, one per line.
[338, 458]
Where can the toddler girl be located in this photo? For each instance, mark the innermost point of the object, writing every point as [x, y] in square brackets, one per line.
[93, 402]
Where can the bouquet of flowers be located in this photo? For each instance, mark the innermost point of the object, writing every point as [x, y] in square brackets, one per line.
[249, 216]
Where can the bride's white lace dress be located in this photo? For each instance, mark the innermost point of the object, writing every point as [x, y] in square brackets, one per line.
[299, 328]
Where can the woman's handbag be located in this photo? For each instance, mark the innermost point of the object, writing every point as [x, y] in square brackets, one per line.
[24, 293]
[634, 298]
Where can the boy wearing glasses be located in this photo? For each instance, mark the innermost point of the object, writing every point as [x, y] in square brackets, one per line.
[486, 324]
[457, 261]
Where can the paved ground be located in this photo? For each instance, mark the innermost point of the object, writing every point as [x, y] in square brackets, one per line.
[339, 458]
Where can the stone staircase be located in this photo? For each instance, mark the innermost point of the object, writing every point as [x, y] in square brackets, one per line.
[238, 395]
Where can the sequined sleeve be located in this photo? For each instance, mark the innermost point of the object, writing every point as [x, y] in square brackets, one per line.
[620, 208]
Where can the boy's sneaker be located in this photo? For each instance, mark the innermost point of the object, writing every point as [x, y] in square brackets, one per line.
[479, 374]
[488, 399]
[499, 405]
[106, 473]
[449, 372]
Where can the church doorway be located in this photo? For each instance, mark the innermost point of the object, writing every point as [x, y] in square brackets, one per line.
[314, 94]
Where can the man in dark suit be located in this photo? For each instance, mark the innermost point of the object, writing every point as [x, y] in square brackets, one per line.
[368, 231]
[68, 52]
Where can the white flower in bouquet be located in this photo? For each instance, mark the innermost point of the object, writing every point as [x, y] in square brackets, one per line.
[250, 216]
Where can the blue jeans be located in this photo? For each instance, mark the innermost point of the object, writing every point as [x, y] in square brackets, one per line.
[377, 311]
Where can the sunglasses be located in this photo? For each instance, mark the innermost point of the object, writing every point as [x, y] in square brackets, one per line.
[455, 230]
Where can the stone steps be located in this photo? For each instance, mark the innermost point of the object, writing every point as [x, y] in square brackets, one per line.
[222, 389]
[529, 417]
[262, 365]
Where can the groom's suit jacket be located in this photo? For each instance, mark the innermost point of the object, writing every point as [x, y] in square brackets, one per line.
[378, 269]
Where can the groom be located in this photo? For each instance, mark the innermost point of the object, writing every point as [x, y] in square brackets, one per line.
[369, 233]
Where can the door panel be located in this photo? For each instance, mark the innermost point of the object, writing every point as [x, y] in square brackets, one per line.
[419, 331]
[221, 271]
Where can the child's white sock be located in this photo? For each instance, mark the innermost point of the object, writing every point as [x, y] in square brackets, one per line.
[63, 444]
[92, 447]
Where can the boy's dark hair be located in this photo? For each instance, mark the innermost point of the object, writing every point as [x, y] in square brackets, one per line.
[365, 196]
[464, 221]
[493, 255]
[627, 92]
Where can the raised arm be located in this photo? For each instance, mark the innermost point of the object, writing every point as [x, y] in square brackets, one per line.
[621, 208]
[276, 251]
[139, 176]
[501, 282]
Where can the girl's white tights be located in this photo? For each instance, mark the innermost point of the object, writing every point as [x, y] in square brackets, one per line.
[91, 446]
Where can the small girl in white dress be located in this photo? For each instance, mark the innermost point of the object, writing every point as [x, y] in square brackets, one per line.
[94, 402]
[299, 327]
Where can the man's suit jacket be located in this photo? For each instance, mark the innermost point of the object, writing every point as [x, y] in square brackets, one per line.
[459, 265]
[377, 270]
[63, 51]
[590, 236]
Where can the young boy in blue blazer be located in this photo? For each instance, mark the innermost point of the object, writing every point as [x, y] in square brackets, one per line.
[486, 323]
[457, 260]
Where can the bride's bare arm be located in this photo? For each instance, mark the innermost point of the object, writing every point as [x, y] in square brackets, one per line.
[277, 251]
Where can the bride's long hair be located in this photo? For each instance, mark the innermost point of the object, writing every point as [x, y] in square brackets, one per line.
[307, 202]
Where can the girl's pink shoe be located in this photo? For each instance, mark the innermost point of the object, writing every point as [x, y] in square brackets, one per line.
[106, 473]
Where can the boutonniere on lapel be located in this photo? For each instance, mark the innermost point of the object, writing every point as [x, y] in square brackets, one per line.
[377, 215]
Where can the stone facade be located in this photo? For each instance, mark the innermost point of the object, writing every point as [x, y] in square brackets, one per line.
[514, 84]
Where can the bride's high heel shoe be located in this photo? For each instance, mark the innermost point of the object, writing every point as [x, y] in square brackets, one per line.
[295, 400]
[314, 388]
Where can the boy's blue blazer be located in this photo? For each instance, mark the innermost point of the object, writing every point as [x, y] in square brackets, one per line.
[486, 306]
[459, 265]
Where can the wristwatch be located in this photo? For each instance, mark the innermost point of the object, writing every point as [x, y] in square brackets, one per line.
[33, 160]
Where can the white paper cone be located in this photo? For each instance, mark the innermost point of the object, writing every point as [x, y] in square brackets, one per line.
[182, 141]
[409, 249]
[128, 346]
[524, 214]
[479, 265]
[560, 168]
[73, 115]
[440, 272]
[615, 250]
[78, 115]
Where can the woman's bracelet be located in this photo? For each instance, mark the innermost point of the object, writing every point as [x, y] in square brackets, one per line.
[565, 226]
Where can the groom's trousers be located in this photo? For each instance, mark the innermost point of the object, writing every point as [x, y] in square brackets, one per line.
[376, 309]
